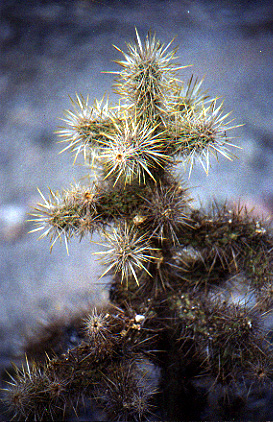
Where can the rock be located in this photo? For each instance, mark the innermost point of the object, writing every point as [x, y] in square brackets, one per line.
[12, 222]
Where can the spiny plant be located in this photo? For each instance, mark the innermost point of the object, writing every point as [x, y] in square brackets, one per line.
[184, 335]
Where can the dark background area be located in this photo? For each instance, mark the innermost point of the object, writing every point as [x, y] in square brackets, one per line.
[52, 49]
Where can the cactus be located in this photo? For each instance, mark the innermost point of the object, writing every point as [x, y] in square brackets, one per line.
[184, 335]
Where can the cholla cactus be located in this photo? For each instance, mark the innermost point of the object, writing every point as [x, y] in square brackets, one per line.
[183, 337]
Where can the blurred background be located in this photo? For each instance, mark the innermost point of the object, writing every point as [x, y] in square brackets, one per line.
[53, 49]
